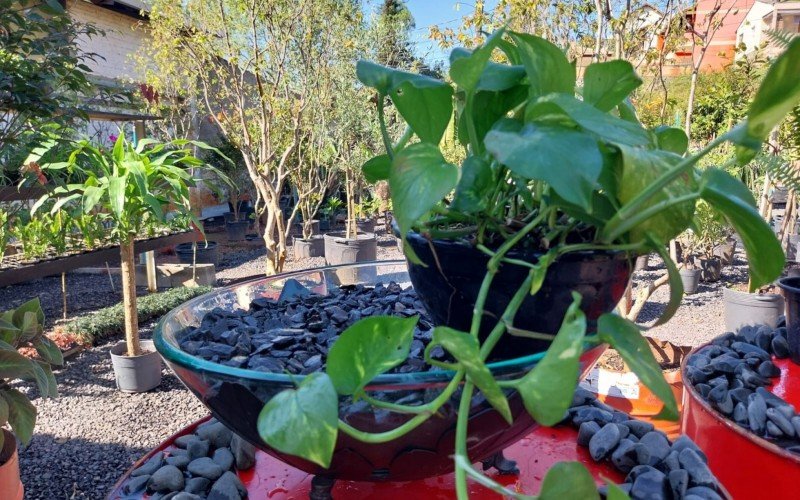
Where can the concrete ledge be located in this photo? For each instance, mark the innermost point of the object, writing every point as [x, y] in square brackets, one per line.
[177, 275]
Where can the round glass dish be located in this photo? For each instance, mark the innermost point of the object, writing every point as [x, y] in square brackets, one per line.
[236, 395]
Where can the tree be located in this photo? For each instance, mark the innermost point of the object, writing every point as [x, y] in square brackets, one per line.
[42, 77]
[255, 66]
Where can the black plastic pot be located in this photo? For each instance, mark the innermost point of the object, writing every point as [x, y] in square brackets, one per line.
[312, 247]
[690, 279]
[237, 231]
[742, 308]
[725, 252]
[710, 269]
[206, 253]
[136, 373]
[448, 285]
[324, 224]
[365, 225]
[342, 250]
[791, 293]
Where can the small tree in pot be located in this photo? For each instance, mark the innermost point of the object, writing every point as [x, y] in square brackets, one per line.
[135, 185]
[22, 328]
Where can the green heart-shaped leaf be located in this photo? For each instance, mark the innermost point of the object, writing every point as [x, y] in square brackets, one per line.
[626, 338]
[303, 422]
[607, 84]
[568, 480]
[368, 348]
[547, 389]
[466, 350]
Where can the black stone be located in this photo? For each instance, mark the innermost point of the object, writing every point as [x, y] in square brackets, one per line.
[587, 413]
[167, 478]
[604, 441]
[757, 413]
[198, 448]
[180, 461]
[703, 492]
[205, 467]
[651, 485]
[780, 346]
[776, 402]
[292, 289]
[684, 442]
[215, 433]
[227, 487]
[198, 485]
[149, 467]
[678, 482]
[638, 427]
[768, 369]
[625, 456]
[780, 420]
[244, 453]
[657, 445]
[135, 484]
[698, 471]
[740, 414]
[586, 431]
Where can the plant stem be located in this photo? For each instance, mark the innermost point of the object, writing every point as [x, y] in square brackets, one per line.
[462, 423]
[578, 247]
[471, 131]
[656, 186]
[387, 142]
[508, 316]
[384, 437]
[613, 231]
[404, 139]
[397, 407]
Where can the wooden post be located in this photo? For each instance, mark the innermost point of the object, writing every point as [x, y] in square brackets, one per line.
[150, 264]
[128, 275]
[64, 294]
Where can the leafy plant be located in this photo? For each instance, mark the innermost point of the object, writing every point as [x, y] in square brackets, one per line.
[22, 328]
[550, 168]
[134, 185]
[110, 321]
[332, 206]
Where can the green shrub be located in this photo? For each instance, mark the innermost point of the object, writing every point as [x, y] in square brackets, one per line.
[110, 321]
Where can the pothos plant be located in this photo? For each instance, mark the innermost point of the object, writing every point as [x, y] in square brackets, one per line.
[549, 165]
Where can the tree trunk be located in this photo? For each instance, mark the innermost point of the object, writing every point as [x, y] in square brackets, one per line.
[690, 101]
[274, 237]
[128, 275]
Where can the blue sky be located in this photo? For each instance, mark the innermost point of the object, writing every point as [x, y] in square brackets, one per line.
[445, 13]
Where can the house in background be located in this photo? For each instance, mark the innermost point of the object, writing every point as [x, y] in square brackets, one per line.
[764, 17]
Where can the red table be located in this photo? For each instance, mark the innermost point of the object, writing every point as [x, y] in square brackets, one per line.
[535, 454]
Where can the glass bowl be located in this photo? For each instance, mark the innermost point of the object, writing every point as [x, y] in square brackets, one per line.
[236, 395]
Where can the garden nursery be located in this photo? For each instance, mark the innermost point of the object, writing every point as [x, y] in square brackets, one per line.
[399, 249]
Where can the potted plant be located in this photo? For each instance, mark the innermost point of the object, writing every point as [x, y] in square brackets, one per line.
[22, 328]
[310, 243]
[329, 211]
[351, 245]
[711, 231]
[227, 158]
[134, 185]
[556, 195]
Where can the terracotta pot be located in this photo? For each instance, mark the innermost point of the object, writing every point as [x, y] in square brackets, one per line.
[10, 484]
[624, 391]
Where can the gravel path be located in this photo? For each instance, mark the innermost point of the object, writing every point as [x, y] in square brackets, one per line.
[92, 433]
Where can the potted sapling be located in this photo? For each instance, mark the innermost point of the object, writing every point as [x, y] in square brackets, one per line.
[22, 328]
[711, 230]
[229, 161]
[351, 245]
[526, 246]
[688, 270]
[134, 185]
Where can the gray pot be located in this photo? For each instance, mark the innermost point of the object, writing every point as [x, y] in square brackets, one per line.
[365, 225]
[710, 269]
[136, 373]
[237, 231]
[312, 247]
[206, 253]
[342, 250]
[743, 308]
[690, 279]
[725, 252]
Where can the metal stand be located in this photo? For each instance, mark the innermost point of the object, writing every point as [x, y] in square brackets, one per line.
[321, 488]
[499, 462]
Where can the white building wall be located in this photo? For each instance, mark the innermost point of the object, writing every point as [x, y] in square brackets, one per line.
[751, 31]
[124, 36]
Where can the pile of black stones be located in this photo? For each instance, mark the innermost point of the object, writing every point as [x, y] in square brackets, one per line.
[732, 374]
[293, 334]
[200, 465]
[656, 468]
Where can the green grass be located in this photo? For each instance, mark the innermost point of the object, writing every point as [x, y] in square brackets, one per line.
[110, 321]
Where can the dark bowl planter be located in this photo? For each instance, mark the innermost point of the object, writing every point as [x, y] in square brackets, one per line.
[236, 396]
[449, 287]
[791, 294]
[308, 248]
[742, 308]
[206, 253]
[710, 269]
[690, 279]
[237, 230]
